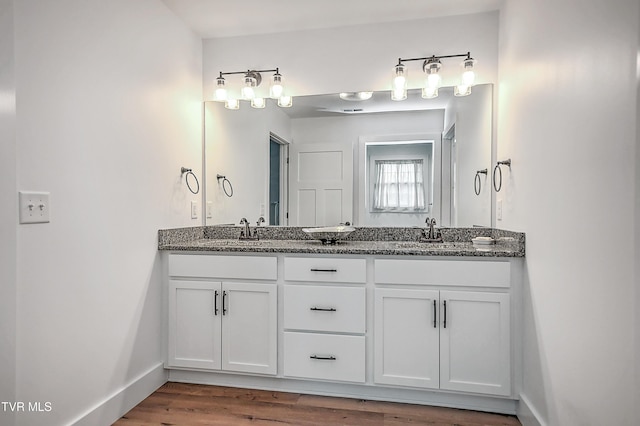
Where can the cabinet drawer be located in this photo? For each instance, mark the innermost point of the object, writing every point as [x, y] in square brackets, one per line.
[443, 272]
[328, 308]
[211, 266]
[323, 269]
[324, 356]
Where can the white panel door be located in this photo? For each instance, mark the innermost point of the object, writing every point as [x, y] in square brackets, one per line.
[249, 330]
[475, 342]
[194, 324]
[406, 337]
[321, 184]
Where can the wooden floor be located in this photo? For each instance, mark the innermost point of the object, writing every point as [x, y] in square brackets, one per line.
[186, 404]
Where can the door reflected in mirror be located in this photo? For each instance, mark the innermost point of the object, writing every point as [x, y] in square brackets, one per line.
[327, 161]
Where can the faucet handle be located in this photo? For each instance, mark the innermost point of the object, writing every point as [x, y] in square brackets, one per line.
[260, 220]
[243, 221]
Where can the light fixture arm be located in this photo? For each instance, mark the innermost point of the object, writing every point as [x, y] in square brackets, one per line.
[435, 58]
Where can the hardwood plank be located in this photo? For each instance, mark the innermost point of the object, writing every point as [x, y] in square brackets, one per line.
[187, 404]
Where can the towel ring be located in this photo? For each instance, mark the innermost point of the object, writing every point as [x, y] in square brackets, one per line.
[477, 184]
[225, 181]
[497, 168]
[184, 170]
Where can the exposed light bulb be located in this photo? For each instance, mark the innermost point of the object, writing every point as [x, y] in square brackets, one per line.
[258, 103]
[232, 104]
[276, 90]
[285, 101]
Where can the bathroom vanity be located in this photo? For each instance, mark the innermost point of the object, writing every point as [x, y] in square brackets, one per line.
[379, 316]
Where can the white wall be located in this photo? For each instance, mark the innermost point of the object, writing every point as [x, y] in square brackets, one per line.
[358, 57]
[237, 146]
[568, 114]
[8, 209]
[108, 110]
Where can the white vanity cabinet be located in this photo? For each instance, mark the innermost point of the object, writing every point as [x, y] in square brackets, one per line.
[418, 329]
[222, 325]
[325, 318]
[441, 335]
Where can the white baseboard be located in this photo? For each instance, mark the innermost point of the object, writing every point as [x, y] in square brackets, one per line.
[527, 414]
[124, 399]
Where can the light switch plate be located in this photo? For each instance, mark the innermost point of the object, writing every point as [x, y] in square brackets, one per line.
[194, 210]
[34, 207]
[209, 209]
[499, 210]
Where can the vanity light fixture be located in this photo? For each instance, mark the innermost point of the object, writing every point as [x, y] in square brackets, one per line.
[251, 81]
[431, 66]
[356, 96]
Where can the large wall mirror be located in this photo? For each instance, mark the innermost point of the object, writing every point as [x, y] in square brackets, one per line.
[373, 162]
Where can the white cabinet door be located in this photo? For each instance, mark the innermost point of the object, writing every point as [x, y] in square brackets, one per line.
[321, 184]
[475, 342]
[406, 337]
[249, 331]
[194, 327]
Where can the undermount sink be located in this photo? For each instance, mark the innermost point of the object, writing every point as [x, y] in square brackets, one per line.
[329, 234]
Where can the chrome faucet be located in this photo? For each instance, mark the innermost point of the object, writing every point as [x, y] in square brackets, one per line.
[260, 220]
[245, 234]
[431, 234]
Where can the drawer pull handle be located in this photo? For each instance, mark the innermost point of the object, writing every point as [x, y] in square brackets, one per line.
[323, 309]
[215, 303]
[323, 270]
[224, 305]
[323, 358]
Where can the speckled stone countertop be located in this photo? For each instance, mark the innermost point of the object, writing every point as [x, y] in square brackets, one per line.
[363, 241]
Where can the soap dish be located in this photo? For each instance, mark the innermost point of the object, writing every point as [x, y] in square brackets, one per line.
[483, 241]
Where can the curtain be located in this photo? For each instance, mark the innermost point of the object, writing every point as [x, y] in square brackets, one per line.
[399, 185]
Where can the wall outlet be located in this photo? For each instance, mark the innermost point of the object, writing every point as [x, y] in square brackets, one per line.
[499, 210]
[194, 210]
[34, 207]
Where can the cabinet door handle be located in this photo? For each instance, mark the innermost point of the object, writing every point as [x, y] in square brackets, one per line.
[435, 308]
[323, 358]
[323, 270]
[444, 323]
[215, 303]
[224, 304]
[323, 309]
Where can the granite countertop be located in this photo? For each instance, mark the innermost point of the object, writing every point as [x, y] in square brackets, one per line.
[365, 241]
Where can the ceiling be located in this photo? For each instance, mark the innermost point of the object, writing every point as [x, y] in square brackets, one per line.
[231, 18]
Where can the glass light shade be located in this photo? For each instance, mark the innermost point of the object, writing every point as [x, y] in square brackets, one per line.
[429, 92]
[258, 103]
[285, 101]
[247, 91]
[276, 90]
[400, 77]
[220, 94]
[232, 104]
[399, 94]
[468, 76]
[462, 90]
[433, 80]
